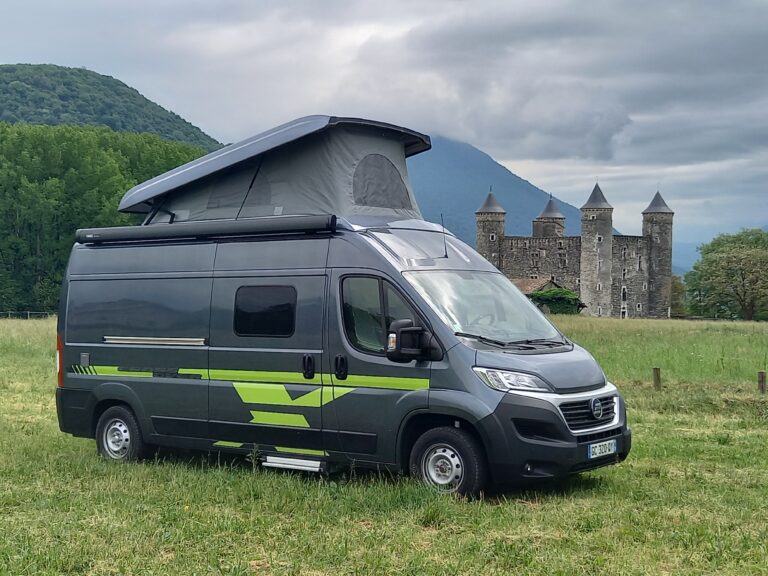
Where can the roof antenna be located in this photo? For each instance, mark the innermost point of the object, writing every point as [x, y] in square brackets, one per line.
[445, 244]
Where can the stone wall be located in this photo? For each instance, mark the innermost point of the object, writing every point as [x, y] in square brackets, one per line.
[630, 277]
[557, 258]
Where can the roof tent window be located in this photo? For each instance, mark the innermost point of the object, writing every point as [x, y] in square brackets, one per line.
[378, 183]
[259, 200]
[217, 197]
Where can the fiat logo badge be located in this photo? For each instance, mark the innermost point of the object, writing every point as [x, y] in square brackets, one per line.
[597, 408]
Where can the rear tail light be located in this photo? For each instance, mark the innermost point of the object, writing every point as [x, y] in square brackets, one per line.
[59, 361]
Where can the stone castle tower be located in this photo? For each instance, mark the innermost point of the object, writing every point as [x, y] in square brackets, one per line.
[614, 275]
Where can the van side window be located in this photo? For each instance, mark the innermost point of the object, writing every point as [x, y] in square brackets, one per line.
[265, 311]
[369, 306]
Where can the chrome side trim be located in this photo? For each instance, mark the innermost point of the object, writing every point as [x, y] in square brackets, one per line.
[292, 463]
[145, 340]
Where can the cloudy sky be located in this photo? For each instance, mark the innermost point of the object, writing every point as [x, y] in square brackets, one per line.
[637, 94]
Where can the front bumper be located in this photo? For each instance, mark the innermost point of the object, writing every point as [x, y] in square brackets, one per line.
[527, 438]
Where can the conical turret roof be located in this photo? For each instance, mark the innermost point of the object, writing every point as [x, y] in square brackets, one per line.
[490, 205]
[597, 200]
[658, 206]
[551, 211]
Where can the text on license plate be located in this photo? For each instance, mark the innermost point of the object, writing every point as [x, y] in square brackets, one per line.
[601, 449]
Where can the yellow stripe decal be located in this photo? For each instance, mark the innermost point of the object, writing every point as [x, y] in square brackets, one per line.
[202, 372]
[279, 419]
[305, 451]
[385, 382]
[114, 371]
[226, 444]
[260, 376]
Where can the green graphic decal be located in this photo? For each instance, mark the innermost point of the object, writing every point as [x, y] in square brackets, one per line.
[279, 419]
[387, 382]
[305, 451]
[259, 376]
[115, 371]
[202, 372]
[277, 395]
[225, 444]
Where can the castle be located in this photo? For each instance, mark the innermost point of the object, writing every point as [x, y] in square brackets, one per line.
[614, 275]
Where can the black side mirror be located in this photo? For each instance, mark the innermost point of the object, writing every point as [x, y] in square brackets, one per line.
[406, 342]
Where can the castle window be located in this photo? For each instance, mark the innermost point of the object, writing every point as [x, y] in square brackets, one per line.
[592, 216]
[543, 253]
[639, 262]
[578, 281]
[639, 307]
[599, 238]
[559, 243]
[525, 244]
[623, 293]
[535, 276]
[645, 286]
[624, 274]
[623, 312]
[599, 287]
[656, 239]
[552, 277]
[599, 264]
[563, 262]
[492, 237]
[624, 252]
[599, 310]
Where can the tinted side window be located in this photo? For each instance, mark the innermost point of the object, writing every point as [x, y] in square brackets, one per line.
[265, 311]
[369, 306]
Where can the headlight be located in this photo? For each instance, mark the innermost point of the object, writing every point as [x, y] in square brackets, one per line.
[505, 380]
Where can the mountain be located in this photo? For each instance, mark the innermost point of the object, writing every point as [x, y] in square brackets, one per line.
[48, 94]
[454, 178]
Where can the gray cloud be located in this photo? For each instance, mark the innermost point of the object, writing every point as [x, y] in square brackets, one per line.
[636, 92]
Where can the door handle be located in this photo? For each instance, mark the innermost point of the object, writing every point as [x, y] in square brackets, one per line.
[341, 367]
[309, 366]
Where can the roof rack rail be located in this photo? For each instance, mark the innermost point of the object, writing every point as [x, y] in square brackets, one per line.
[209, 229]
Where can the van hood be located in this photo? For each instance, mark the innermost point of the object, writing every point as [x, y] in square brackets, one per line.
[572, 371]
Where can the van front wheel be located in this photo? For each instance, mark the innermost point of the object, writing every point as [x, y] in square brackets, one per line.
[118, 436]
[449, 460]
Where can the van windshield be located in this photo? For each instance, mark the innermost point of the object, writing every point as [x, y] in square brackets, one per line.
[482, 304]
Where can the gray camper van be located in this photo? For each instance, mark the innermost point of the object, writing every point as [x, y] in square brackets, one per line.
[284, 297]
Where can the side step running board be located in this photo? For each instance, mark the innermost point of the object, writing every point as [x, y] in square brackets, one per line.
[292, 463]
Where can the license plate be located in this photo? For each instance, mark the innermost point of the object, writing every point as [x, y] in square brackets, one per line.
[601, 449]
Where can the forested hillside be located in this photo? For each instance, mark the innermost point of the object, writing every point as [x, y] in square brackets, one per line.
[47, 94]
[55, 179]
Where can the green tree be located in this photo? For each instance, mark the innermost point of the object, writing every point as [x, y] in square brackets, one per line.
[558, 300]
[679, 299]
[730, 279]
[54, 180]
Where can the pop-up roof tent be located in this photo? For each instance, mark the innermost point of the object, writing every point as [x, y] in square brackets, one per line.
[315, 165]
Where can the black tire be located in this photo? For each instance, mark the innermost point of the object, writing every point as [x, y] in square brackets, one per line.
[449, 460]
[118, 436]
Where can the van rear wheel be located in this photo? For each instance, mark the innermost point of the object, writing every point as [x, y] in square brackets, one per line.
[118, 436]
[449, 460]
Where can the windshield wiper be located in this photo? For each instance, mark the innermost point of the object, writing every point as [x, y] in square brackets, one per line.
[480, 338]
[520, 345]
[541, 341]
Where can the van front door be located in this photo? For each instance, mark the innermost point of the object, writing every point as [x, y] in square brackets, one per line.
[371, 395]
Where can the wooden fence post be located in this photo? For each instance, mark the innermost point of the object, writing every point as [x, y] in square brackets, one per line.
[761, 382]
[657, 378]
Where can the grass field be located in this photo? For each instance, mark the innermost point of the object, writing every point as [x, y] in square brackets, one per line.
[691, 499]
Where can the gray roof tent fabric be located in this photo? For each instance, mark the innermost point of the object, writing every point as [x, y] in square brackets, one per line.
[490, 205]
[658, 206]
[551, 210]
[314, 165]
[596, 200]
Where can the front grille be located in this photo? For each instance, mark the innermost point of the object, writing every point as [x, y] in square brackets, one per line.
[578, 415]
[595, 436]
